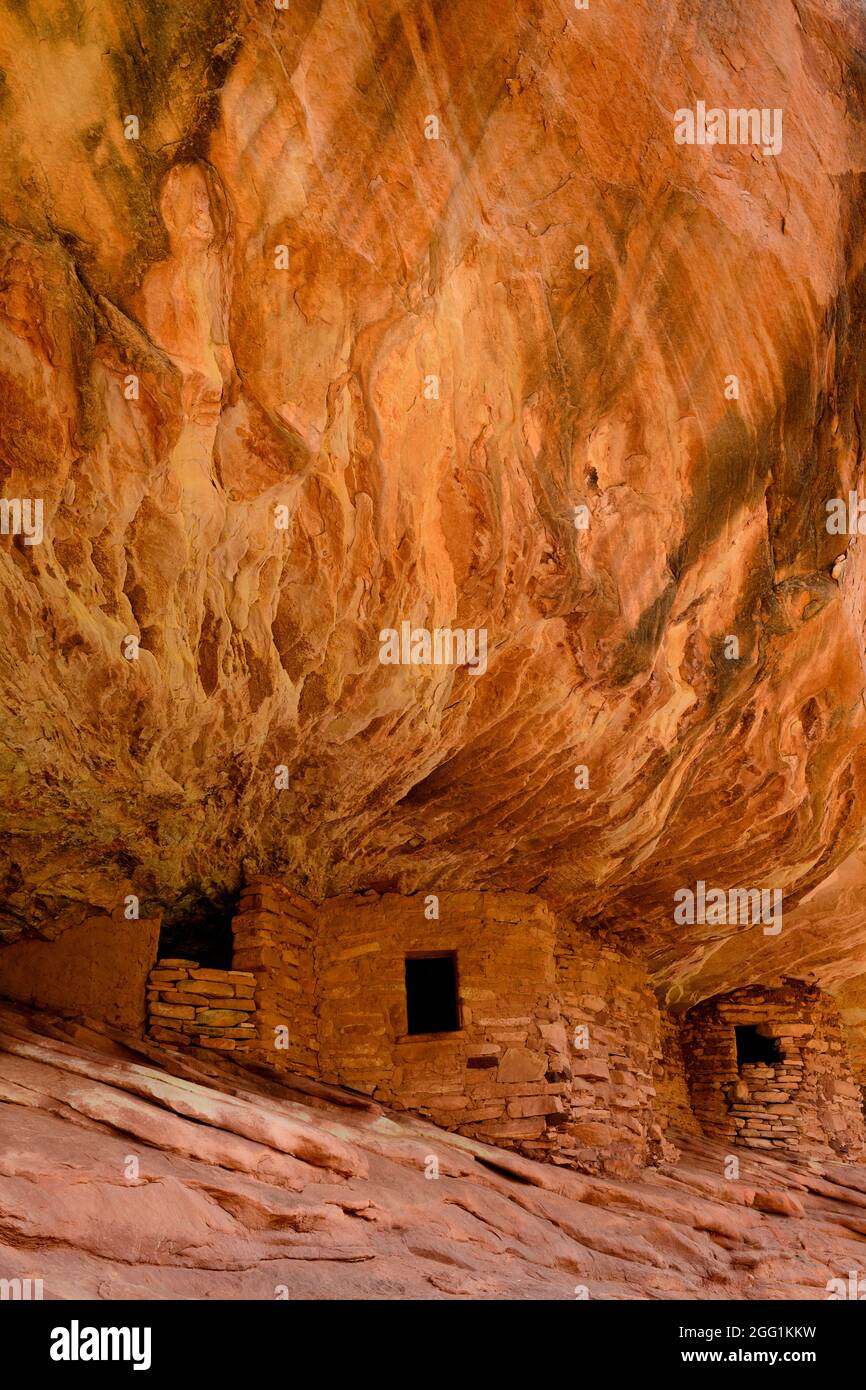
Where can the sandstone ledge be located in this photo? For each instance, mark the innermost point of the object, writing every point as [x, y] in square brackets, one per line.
[243, 1184]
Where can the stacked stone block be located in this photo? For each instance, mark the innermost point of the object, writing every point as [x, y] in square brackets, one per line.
[189, 1006]
[612, 1020]
[274, 933]
[673, 1104]
[517, 1073]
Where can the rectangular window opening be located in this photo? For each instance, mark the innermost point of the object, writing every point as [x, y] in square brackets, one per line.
[431, 993]
[752, 1046]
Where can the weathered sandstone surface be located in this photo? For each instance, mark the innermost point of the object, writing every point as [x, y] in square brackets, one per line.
[131, 1172]
[303, 388]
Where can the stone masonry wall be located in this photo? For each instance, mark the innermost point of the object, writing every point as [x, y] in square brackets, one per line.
[518, 1073]
[503, 1075]
[557, 1036]
[192, 1007]
[612, 1020]
[806, 1101]
[274, 932]
[673, 1104]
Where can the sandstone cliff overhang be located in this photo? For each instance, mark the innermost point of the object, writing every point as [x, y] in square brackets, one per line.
[321, 321]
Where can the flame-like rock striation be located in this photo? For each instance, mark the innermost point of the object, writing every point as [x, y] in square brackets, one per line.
[309, 349]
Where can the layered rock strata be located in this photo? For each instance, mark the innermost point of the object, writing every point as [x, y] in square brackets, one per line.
[130, 1170]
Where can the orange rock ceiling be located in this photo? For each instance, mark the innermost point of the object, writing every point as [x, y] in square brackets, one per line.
[303, 388]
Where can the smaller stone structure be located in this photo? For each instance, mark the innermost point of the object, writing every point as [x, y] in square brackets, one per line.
[192, 1007]
[768, 1069]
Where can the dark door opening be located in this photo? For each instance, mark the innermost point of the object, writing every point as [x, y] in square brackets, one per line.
[200, 929]
[431, 993]
[752, 1046]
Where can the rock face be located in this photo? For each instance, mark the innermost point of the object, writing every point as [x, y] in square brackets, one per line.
[131, 1173]
[320, 321]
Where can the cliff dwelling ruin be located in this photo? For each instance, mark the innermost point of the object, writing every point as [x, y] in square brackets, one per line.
[433, 667]
[495, 1019]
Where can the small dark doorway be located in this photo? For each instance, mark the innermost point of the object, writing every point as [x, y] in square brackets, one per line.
[431, 993]
[200, 929]
[752, 1046]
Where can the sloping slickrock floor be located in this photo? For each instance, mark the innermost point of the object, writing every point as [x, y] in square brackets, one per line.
[128, 1171]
